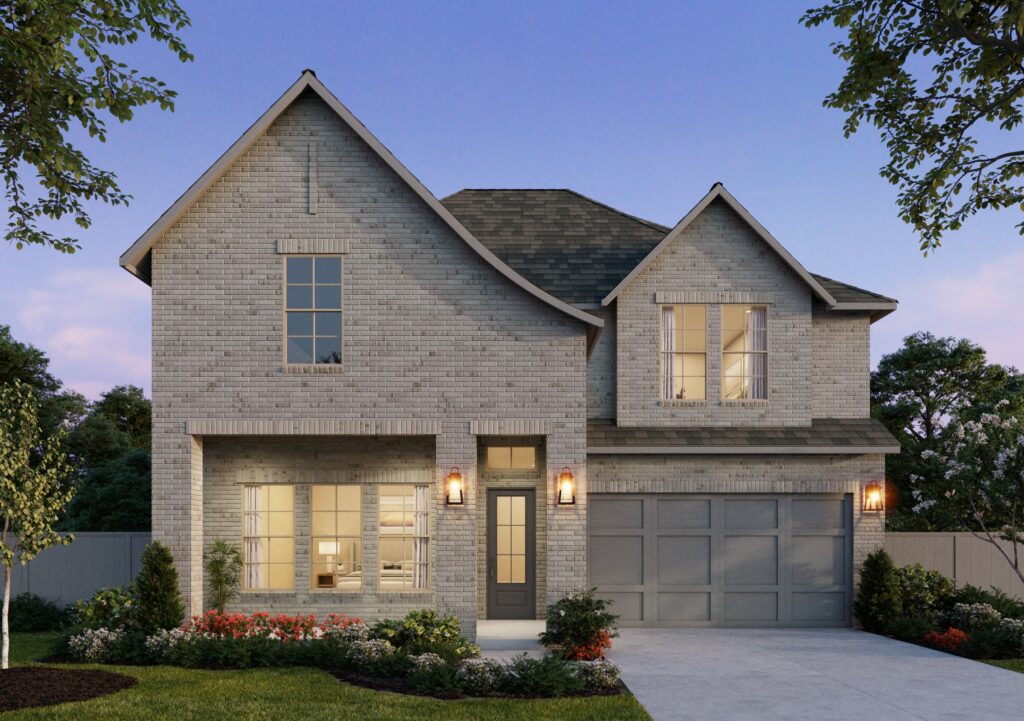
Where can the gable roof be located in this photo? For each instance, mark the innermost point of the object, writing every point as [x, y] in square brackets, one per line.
[136, 259]
[718, 191]
[580, 249]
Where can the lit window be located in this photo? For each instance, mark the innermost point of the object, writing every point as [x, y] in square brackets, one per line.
[268, 537]
[744, 352]
[404, 538]
[684, 352]
[511, 457]
[313, 309]
[337, 552]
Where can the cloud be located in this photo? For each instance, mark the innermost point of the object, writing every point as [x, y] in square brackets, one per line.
[94, 326]
[984, 304]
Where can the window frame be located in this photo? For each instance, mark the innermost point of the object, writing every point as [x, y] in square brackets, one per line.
[511, 448]
[247, 537]
[426, 536]
[766, 353]
[664, 354]
[285, 310]
[337, 537]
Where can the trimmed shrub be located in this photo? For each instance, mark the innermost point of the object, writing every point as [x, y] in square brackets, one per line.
[549, 676]
[223, 562]
[878, 599]
[160, 605]
[426, 631]
[1008, 606]
[580, 625]
[911, 629]
[949, 640]
[110, 608]
[922, 592]
[93, 645]
[29, 613]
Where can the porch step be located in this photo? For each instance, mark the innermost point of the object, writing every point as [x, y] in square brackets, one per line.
[508, 635]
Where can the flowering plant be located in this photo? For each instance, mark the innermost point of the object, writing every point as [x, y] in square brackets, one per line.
[93, 644]
[580, 625]
[282, 627]
[949, 640]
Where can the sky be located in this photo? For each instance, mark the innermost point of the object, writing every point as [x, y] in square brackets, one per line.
[640, 105]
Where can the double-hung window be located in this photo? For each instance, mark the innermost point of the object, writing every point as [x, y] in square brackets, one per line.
[313, 309]
[337, 544]
[404, 534]
[744, 352]
[684, 352]
[268, 537]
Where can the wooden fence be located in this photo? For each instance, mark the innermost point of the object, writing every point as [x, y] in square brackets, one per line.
[961, 556]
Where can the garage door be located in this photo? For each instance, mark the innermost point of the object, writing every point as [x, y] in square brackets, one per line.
[736, 560]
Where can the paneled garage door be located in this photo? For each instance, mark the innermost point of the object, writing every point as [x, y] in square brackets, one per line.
[722, 560]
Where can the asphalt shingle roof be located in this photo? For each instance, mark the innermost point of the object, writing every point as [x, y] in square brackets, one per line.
[840, 433]
[575, 248]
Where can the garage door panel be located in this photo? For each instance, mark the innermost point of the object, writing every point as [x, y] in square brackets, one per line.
[751, 560]
[617, 513]
[617, 560]
[813, 513]
[684, 560]
[628, 605]
[818, 560]
[824, 608]
[751, 607]
[752, 513]
[685, 607]
[683, 513]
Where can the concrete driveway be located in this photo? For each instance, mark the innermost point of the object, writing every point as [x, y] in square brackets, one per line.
[807, 675]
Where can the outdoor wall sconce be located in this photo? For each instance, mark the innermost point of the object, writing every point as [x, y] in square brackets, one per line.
[453, 494]
[874, 497]
[566, 487]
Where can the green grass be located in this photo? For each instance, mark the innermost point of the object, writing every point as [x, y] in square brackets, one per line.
[1012, 664]
[302, 694]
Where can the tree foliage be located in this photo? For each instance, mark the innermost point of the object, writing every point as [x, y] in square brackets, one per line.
[224, 564]
[33, 488]
[916, 392]
[58, 70]
[160, 603]
[943, 81]
[29, 365]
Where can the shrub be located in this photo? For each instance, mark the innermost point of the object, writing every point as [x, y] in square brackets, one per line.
[598, 675]
[159, 598]
[93, 644]
[223, 563]
[922, 592]
[110, 608]
[480, 676]
[998, 640]
[949, 640]
[972, 617]
[431, 674]
[549, 676]
[580, 625]
[426, 632]
[911, 629]
[878, 597]
[1007, 605]
[29, 613]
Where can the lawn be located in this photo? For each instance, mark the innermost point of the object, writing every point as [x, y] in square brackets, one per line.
[302, 694]
[1012, 664]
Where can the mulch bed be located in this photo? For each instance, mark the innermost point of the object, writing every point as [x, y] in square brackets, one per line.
[400, 685]
[25, 686]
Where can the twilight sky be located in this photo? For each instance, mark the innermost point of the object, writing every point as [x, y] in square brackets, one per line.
[640, 107]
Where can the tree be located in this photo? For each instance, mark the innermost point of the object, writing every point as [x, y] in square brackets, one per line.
[223, 562]
[26, 363]
[113, 497]
[33, 468]
[128, 408]
[982, 480]
[916, 391]
[934, 77]
[56, 70]
[160, 603]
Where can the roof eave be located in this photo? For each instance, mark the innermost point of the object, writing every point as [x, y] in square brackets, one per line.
[741, 450]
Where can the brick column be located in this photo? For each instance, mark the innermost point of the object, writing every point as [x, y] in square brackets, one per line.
[455, 530]
[567, 525]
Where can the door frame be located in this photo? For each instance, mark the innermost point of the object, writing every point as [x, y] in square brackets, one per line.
[490, 567]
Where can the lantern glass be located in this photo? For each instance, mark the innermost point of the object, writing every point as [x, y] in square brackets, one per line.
[453, 496]
[874, 497]
[566, 488]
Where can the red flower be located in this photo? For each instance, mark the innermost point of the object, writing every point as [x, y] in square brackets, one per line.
[591, 650]
[949, 641]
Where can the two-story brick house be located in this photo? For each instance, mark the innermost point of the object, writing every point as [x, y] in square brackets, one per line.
[482, 403]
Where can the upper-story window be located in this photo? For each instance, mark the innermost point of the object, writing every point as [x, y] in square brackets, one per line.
[313, 309]
[744, 352]
[684, 352]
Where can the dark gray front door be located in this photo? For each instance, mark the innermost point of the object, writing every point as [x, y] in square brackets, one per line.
[511, 554]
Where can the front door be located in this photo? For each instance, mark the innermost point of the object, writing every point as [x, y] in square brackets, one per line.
[511, 554]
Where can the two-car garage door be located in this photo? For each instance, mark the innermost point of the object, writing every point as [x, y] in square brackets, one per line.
[723, 560]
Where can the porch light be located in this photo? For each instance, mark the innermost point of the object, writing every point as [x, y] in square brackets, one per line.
[874, 497]
[566, 487]
[453, 496]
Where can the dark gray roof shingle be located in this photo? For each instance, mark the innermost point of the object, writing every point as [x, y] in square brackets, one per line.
[572, 246]
[846, 434]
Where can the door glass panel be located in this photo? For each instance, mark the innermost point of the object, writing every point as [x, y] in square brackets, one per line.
[510, 527]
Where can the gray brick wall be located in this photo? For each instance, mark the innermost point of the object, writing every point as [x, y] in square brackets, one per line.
[601, 381]
[841, 364]
[430, 332]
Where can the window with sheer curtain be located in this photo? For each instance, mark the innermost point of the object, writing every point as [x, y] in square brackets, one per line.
[684, 352]
[268, 537]
[404, 533]
[744, 352]
[336, 543]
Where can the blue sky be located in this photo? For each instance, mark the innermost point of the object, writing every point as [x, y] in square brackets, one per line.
[640, 105]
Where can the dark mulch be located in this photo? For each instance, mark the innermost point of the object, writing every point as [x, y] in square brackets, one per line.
[25, 686]
[401, 685]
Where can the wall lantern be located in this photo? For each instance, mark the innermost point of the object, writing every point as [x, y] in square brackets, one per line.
[453, 494]
[566, 487]
[874, 497]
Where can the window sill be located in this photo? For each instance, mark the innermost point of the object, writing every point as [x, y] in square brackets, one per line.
[682, 403]
[312, 368]
[745, 403]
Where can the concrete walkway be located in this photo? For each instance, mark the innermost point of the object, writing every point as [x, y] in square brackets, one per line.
[807, 675]
[507, 639]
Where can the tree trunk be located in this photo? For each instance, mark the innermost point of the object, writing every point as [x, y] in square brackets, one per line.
[7, 607]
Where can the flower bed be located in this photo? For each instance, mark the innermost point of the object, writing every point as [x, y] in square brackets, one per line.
[422, 653]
